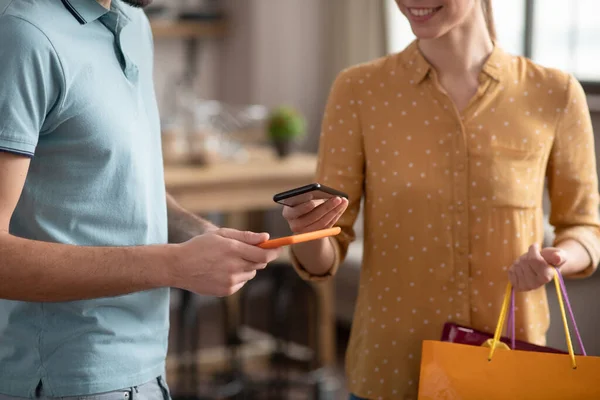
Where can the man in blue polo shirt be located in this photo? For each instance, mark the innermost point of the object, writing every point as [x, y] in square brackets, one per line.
[85, 222]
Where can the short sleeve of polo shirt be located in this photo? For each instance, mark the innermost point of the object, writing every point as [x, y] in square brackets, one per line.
[31, 82]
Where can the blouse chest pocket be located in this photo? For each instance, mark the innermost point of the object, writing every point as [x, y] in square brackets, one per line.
[512, 170]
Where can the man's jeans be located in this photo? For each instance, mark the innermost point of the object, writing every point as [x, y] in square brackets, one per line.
[156, 389]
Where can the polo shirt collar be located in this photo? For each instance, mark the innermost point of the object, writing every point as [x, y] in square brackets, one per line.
[85, 11]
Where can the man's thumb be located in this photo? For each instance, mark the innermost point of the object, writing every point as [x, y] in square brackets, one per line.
[248, 237]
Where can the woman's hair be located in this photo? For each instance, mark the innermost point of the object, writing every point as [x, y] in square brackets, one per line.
[488, 14]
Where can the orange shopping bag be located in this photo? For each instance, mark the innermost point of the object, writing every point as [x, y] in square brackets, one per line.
[457, 371]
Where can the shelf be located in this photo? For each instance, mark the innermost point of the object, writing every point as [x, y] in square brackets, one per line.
[188, 29]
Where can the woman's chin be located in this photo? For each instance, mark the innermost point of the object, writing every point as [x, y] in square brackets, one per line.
[425, 33]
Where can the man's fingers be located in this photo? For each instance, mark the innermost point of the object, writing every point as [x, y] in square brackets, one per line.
[234, 288]
[251, 238]
[245, 276]
[255, 254]
[253, 266]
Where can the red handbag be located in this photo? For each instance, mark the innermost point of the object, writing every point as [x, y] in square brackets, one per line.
[455, 333]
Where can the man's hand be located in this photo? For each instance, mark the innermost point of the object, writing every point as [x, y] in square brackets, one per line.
[220, 262]
[536, 268]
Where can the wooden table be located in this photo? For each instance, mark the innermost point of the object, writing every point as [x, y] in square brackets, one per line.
[240, 188]
[230, 187]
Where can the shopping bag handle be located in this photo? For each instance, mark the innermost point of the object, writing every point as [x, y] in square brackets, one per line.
[570, 310]
[562, 297]
[511, 317]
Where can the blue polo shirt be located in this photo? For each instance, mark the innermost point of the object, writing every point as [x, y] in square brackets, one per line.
[77, 96]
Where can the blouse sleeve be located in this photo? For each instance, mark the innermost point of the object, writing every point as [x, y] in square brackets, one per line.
[572, 178]
[340, 162]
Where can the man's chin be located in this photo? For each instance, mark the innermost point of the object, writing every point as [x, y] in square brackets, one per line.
[138, 3]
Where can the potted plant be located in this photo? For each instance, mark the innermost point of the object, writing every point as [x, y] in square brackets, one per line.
[285, 126]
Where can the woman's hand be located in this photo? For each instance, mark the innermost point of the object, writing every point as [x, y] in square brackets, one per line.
[315, 214]
[536, 268]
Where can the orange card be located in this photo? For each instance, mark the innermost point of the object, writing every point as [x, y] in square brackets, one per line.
[299, 238]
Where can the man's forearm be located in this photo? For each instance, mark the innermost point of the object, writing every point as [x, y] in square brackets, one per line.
[84, 272]
[184, 225]
[49, 272]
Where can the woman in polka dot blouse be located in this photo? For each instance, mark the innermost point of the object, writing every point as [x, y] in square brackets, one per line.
[449, 143]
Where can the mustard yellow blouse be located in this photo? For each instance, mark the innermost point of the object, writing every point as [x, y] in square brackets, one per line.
[450, 200]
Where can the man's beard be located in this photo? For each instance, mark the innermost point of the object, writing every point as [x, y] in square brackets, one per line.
[138, 3]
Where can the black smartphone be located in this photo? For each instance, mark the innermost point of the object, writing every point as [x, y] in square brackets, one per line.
[314, 191]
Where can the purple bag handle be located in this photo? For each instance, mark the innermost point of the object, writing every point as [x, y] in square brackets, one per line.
[511, 316]
[563, 289]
